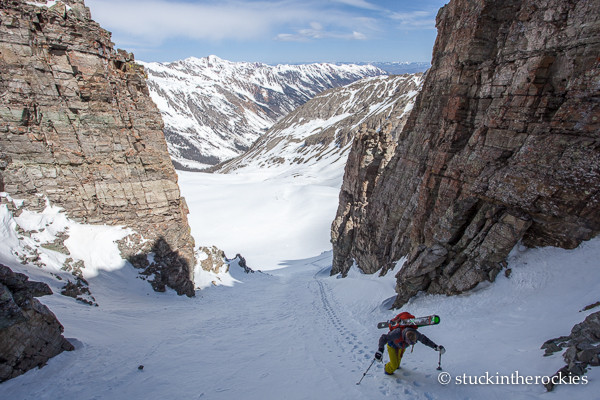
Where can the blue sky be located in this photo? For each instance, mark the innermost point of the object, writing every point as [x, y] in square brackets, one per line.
[272, 31]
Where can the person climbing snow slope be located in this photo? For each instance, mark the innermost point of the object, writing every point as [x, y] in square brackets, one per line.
[398, 339]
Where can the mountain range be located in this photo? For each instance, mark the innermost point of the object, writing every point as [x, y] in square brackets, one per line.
[319, 133]
[214, 109]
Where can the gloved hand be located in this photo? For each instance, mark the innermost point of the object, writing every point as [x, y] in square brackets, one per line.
[441, 349]
[379, 355]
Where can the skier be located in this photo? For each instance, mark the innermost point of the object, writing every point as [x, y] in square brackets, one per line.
[398, 339]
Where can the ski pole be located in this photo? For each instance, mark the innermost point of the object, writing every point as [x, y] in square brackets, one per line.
[372, 362]
[439, 368]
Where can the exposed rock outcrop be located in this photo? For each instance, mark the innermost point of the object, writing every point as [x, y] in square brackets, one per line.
[78, 127]
[503, 145]
[583, 350]
[30, 334]
[80, 291]
[213, 259]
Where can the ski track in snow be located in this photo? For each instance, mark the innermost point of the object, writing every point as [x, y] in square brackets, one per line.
[355, 354]
[346, 340]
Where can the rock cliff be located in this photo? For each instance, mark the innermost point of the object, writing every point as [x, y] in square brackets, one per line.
[78, 127]
[582, 351]
[502, 146]
[30, 334]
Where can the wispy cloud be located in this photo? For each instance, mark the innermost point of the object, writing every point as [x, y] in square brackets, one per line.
[360, 4]
[415, 19]
[261, 26]
[332, 27]
[158, 20]
[162, 19]
[304, 35]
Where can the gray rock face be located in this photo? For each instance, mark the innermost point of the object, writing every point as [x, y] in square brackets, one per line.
[502, 146]
[30, 334]
[582, 346]
[77, 126]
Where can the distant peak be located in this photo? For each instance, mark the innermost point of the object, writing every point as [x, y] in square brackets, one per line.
[204, 60]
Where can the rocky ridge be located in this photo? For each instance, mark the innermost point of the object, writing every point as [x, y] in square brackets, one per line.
[583, 350]
[215, 109]
[502, 146]
[78, 130]
[30, 334]
[321, 131]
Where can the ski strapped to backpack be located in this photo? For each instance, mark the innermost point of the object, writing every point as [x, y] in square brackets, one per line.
[416, 321]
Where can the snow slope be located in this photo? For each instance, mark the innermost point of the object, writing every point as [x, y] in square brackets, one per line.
[267, 221]
[297, 333]
[215, 109]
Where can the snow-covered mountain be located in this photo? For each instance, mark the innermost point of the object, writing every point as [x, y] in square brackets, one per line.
[215, 109]
[320, 132]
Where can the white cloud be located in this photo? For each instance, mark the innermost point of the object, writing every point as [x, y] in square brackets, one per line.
[318, 31]
[289, 37]
[304, 35]
[149, 23]
[153, 21]
[316, 25]
[358, 36]
[359, 4]
[162, 19]
[415, 19]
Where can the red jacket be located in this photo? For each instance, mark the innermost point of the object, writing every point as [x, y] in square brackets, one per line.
[395, 339]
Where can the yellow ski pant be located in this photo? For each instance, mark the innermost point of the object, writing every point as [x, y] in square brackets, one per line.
[395, 358]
